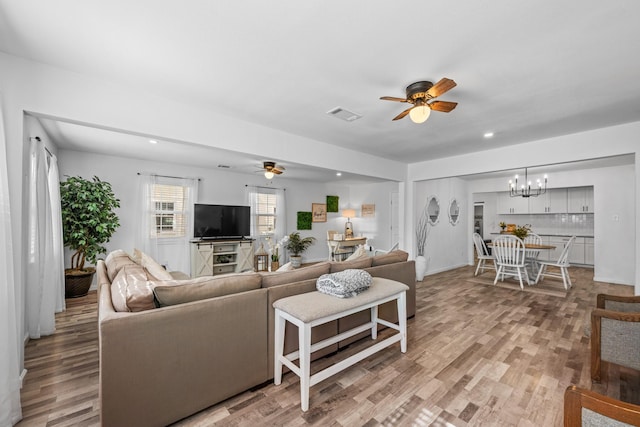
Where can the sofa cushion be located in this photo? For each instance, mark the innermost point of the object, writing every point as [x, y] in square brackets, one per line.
[360, 252]
[286, 267]
[152, 266]
[130, 289]
[182, 291]
[299, 274]
[115, 261]
[390, 258]
[359, 263]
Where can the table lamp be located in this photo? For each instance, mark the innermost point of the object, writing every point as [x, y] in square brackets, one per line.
[348, 226]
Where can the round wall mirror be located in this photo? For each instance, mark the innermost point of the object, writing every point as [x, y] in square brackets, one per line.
[433, 210]
[454, 212]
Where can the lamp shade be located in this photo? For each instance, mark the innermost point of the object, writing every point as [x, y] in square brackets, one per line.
[269, 174]
[349, 213]
[420, 113]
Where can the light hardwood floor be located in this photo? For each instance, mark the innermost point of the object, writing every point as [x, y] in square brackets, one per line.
[477, 354]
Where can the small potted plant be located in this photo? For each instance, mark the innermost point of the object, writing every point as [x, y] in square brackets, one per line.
[503, 225]
[522, 231]
[296, 246]
[275, 258]
[88, 222]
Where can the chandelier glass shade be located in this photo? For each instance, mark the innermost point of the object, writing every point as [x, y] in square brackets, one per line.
[269, 174]
[525, 188]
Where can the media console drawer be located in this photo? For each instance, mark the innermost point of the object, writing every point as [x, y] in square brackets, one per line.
[224, 248]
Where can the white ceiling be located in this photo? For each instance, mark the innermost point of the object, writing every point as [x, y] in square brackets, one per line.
[525, 70]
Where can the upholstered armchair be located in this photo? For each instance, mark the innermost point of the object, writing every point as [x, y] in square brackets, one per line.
[615, 333]
[587, 408]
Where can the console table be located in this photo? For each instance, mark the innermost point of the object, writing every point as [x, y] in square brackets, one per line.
[212, 257]
[315, 308]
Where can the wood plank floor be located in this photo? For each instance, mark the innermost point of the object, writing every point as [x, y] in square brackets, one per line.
[477, 354]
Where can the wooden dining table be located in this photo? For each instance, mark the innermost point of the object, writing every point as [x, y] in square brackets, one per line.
[534, 267]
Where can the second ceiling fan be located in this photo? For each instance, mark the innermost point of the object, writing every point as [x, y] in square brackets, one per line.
[419, 94]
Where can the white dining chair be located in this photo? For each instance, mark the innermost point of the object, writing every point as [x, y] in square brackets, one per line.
[509, 253]
[562, 263]
[483, 255]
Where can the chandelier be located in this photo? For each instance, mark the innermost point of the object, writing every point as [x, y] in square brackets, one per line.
[525, 189]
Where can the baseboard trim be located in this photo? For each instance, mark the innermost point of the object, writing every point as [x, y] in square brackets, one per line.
[447, 268]
[610, 280]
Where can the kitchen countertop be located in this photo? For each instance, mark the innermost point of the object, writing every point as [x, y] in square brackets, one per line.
[553, 234]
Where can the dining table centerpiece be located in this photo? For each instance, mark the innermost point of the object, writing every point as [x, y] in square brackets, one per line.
[521, 231]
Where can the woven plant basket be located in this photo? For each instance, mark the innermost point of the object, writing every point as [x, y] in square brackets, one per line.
[77, 283]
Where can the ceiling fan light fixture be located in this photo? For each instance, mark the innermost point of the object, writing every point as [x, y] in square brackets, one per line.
[269, 175]
[420, 113]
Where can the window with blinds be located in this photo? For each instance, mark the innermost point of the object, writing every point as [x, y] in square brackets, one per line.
[265, 214]
[168, 209]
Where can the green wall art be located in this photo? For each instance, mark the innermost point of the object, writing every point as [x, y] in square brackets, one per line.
[304, 220]
[332, 203]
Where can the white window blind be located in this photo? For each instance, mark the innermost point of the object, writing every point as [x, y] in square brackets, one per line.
[168, 209]
[265, 213]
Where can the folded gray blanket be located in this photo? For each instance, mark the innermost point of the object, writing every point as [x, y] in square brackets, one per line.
[345, 284]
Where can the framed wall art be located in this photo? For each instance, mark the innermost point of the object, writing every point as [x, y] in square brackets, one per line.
[319, 212]
[368, 211]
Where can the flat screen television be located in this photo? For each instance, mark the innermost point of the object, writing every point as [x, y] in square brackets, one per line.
[221, 221]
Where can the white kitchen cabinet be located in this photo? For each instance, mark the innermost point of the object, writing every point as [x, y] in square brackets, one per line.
[553, 201]
[589, 258]
[576, 253]
[512, 205]
[580, 200]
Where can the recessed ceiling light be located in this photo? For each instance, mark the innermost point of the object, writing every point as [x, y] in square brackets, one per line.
[338, 173]
[153, 141]
[488, 135]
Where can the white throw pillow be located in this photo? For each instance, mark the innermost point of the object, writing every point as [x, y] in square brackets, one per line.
[361, 252]
[286, 267]
[155, 269]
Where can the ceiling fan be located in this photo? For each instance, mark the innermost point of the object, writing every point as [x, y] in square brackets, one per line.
[271, 169]
[419, 94]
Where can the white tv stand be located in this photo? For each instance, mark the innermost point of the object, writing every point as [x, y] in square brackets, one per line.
[213, 257]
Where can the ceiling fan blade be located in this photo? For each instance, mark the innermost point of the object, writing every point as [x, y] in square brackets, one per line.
[404, 113]
[393, 98]
[443, 106]
[441, 87]
[276, 171]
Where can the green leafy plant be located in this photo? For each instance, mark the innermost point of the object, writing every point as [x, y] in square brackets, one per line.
[522, 231]
[88, 217]
[304, 220]
[332, 203]
[503, 225]
[296, 244]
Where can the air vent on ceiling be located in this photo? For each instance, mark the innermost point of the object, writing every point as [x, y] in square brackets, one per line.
[346, 115]
[224, 166]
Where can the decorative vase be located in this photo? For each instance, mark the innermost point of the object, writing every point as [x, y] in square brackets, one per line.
[275, 265]
[421, 267]
[296, 261]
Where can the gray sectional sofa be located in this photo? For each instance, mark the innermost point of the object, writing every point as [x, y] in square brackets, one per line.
[210, 338]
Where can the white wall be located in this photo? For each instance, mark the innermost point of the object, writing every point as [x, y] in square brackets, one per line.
[226, 187]
[446, 246]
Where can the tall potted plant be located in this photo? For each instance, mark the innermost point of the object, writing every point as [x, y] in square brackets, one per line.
[296, 246]
[88, 221]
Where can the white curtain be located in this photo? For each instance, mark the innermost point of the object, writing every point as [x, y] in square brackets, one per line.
[10, 411]
[45, 271]
[172, 252]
